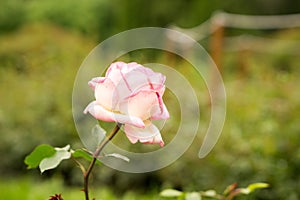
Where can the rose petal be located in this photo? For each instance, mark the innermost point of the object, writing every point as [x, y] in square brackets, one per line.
[156, 140]
[139, 105]
[101, 113]
[157, 81]
[132, 139]
[106, 95]
[148, 135]
[131, 83]
[132, 77]
[144, 78]
[92, 83]
[114, 72]
[124, 67]
[160, 112]
[117, 74]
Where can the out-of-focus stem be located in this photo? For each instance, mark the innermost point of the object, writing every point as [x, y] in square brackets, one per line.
[86, 175]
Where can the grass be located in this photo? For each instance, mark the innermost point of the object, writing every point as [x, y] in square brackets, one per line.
[30, 189]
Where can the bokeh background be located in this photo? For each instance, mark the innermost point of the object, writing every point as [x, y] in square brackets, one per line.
[42, 45]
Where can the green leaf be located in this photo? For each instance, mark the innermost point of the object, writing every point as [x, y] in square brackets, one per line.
[119, 156]
[80, 153]
[170, 193]
[53, 161]
[38, 154]
[209, 193]
[253, 187]
[193, 196]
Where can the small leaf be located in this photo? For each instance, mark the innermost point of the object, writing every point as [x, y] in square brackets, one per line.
[98, 133]
[170, 193]
[80, 153]
[209, 193]
[38, 154]
[255, 186]
[119, 156]
[53, 161]
[193, 196]
[252, 187]
[66, 148]
[243, 191]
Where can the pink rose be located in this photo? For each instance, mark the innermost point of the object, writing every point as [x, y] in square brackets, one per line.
[130, 94]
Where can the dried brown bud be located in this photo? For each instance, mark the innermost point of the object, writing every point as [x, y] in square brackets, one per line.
[56, 197]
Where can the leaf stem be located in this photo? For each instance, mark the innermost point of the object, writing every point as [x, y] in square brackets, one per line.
[86, 175]
[79, 165]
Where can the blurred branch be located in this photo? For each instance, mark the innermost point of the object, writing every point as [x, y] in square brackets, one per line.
[259, 21]
[237, 43]
[230, 20]
[259, 44]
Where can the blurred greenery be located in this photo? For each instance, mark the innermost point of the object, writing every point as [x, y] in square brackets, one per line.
[42, 44]
[37, 73]
[102, 18]
[28, 189]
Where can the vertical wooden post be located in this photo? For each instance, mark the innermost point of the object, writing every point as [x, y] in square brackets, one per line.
[216, 42]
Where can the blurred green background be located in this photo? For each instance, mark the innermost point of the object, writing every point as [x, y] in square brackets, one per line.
[42, 45]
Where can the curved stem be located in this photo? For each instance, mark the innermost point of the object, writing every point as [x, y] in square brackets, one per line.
[86, 175]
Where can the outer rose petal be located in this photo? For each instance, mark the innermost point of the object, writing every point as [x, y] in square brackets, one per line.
[117, 70]
[157, 81]
[101, 113]
[93, 83]
[160, 112]
[148, 135]
[105, 94]
[156, 140]
[114, 72]
[121, 66]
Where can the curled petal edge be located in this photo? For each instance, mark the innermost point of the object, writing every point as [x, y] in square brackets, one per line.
[103, 114]
[93, 83]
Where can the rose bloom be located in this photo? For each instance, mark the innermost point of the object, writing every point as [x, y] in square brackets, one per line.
[130, 94]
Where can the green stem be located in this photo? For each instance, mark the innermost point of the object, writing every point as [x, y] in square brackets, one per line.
[86, 175]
